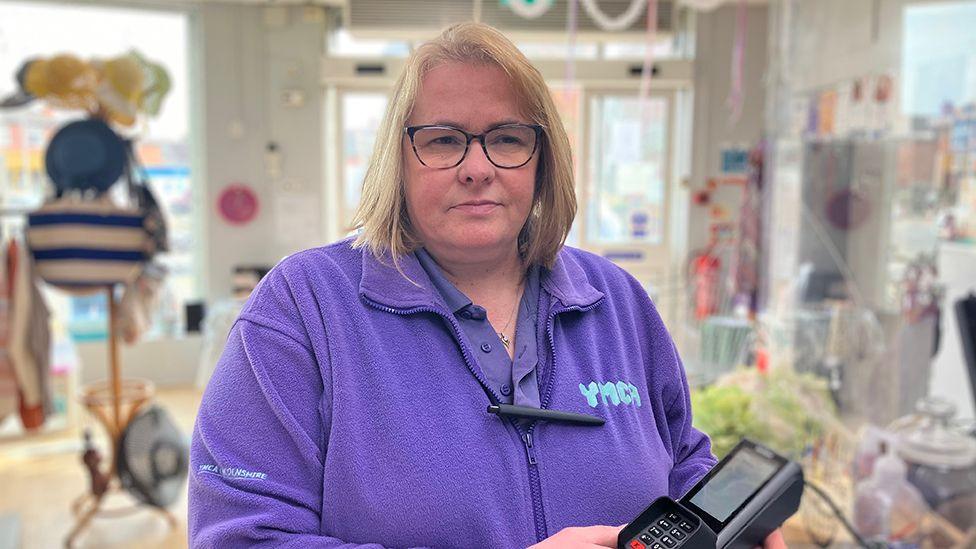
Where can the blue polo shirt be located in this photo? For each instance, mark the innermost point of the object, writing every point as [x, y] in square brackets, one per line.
[516, 380]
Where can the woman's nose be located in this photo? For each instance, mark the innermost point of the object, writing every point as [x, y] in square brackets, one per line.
[476, 168]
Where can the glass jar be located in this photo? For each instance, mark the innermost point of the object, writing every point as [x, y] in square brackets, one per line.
[941, 460]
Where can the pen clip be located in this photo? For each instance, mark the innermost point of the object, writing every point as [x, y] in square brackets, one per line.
[544, 414]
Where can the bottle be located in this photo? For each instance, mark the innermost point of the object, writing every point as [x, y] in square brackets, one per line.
[887, 508]
[869, 449]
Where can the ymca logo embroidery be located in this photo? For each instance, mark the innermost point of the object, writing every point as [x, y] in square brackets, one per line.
[617, 393]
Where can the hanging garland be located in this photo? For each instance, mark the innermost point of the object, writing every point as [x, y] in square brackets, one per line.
[623, 21]
[736, 91]
[571, 28]
[647, 68]
[530, 9]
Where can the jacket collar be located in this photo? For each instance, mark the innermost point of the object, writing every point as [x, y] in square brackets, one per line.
[381, 282]
[454, 298]
[567, 282]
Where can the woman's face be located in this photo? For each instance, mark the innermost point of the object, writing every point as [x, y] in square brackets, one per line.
[475, 208]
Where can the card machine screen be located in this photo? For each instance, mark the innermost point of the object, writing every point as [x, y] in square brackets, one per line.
[745, 497]
[741, 477]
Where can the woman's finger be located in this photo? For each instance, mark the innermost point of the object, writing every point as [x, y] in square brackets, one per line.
[603, 536]
[775, 541]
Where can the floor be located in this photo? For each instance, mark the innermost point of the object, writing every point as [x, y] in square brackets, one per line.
[40, 478]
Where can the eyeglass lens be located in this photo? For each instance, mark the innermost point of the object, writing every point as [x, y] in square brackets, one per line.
[507, 147]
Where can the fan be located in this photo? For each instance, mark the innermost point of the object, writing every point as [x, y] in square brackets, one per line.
[153, 458]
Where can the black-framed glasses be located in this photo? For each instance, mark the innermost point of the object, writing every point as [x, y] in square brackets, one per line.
[506, 146]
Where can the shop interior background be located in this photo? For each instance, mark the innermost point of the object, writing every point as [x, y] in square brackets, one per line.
[796, 191]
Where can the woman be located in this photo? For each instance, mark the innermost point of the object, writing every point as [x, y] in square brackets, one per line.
[349, 406]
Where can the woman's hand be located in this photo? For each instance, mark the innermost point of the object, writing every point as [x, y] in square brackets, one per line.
[592, 537]
[775, 541]
[587, 537]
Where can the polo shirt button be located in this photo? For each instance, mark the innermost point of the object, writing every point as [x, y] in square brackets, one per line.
[506, 389]
[486, 347]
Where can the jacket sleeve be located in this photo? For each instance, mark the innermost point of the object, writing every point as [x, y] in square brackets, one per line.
[692, 449]
[258, 446]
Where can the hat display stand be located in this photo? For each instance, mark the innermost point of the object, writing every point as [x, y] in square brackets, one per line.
[87, 156]
[84, 159]
[114, 403]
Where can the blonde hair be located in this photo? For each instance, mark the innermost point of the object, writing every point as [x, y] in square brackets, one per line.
[382, 215]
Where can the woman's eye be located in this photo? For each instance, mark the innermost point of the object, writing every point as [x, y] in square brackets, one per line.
[445, 140]
[507, 140]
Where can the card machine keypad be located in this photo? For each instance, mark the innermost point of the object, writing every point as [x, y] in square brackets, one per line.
[666, 525]
[667, 532]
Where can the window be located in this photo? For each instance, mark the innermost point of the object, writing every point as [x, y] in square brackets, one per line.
[628, 160]
[341, 43]
[32, 30]
[558, 50]
[361, 114]
[663, 48]
[939, 58]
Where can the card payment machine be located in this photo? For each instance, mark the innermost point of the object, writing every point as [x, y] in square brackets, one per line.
[746, 496]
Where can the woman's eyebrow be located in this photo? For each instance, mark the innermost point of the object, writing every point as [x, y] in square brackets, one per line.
[495, 124]
[443, 122]
[505, 121]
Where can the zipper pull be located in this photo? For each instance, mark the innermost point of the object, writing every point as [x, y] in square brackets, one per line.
[527, 438]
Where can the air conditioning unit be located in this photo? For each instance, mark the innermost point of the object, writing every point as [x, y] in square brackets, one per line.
[422, 18]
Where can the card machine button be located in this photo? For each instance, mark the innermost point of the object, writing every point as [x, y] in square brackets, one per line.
[634, 544]
[677, 534]
[664, 524]
[666, 540]
[686, 526]
[672, 516]
[646, 538]
[657, 546]
[656, 532]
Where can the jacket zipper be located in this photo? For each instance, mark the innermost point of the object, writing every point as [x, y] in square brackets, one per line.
[535, 486]
[541, 530]
[527, 439]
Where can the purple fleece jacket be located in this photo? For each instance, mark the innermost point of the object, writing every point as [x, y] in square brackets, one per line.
[345, 412]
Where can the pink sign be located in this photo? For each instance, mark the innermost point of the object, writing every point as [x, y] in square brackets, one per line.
[237, 204]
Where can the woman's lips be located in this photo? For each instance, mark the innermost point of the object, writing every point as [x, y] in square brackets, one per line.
[477, 208]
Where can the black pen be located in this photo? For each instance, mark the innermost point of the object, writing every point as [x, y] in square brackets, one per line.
[529, 412]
